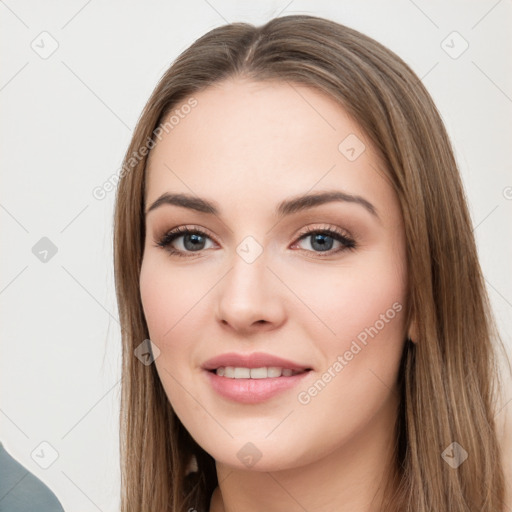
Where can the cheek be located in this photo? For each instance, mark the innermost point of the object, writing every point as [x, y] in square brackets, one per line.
[158, 301]
[350, 298]
[176, 309]
[168, 297]
[366, 300]
[168, 300]
[355, 388]
[362, 330]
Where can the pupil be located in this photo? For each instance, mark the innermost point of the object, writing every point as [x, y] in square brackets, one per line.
[196, 242]
[321, 240]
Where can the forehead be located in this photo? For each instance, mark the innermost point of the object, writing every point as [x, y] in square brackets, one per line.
[246, 140]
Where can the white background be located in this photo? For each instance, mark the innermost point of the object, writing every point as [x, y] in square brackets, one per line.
[66, 123]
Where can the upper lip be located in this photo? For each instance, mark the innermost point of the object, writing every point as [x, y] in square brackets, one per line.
[254, 360]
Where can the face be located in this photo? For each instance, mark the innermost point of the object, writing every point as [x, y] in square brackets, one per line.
[321, 284]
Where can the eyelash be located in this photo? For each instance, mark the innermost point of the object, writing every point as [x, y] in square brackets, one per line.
[169, 237]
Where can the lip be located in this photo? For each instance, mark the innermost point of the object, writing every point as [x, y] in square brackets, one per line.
[254, 360]
[252, 391]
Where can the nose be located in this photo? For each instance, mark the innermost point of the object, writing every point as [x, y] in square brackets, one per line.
[249, 298]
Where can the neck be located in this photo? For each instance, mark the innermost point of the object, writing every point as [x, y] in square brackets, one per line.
[353, 477]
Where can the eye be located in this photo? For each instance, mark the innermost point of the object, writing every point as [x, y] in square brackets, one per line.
[321, 240]
[193, 240]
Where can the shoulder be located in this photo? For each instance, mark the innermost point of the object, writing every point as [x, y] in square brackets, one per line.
[20, 490]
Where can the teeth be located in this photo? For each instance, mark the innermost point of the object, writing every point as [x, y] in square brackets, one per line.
[242, 373]
[232, 372]
[273, 371]
[259, 373]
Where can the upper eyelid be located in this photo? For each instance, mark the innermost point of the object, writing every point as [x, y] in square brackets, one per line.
[185, 229]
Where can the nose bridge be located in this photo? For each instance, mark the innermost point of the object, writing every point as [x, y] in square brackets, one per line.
[248, 294]
[247, 281]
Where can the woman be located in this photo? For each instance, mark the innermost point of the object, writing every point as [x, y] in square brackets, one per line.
[330, 344]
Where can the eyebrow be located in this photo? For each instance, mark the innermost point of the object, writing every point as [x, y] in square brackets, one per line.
[286, 207]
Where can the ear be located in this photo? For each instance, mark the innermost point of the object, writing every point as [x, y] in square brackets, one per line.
[413, 331]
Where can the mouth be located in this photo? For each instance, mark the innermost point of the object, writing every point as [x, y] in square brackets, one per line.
[264, 372]
[253, 378]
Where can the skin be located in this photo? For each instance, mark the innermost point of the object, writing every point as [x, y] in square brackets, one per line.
[263, 143]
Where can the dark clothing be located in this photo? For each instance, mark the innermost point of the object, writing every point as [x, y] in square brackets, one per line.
[21, 491]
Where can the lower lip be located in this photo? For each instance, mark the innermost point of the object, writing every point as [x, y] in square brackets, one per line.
[252, 391]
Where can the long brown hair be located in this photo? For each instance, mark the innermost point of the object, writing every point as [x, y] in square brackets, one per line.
[448, 379]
